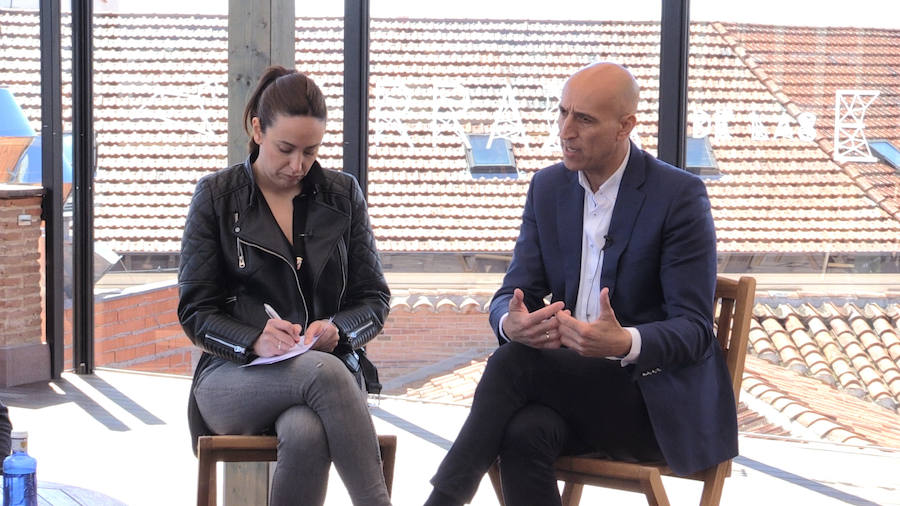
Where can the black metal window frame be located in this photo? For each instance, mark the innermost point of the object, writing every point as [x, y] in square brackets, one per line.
[83, 181]
[672, 127]
[51, 168]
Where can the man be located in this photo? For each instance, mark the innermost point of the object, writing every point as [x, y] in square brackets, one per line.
[623, 361]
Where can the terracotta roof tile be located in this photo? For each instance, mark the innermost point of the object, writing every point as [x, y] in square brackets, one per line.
[761, 344]
[875, 349]
[830, 413]
[815, 360]
[861, 360]
[886, 330]
[787, 350]
[840, 365]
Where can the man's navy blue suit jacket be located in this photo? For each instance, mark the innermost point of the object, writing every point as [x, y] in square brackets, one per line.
[660, 267]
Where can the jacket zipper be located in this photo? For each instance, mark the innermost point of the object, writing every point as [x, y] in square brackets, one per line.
[235, 347]
[292, 268]
[343, 279]
[240, 252]
[355, 332]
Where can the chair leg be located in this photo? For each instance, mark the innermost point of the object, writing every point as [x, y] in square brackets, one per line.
[713, 484]
[653, 489]
[571, 495]
[206, 480]
[494, 475]
[388, 447]
[206, 475]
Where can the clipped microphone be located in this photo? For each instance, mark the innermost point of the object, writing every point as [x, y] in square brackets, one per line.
[607, 242]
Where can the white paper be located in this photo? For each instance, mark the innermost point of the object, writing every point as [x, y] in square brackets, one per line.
[295, 350]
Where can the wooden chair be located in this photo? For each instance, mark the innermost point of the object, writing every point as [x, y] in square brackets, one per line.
[212, 449]
[735, 306]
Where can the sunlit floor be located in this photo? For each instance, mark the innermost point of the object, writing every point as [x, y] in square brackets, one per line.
[124, 435]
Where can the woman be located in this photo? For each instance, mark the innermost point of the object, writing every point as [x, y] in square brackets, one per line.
[279, 230]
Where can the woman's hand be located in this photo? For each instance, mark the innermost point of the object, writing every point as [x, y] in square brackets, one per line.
[277, 338]
[326, 332]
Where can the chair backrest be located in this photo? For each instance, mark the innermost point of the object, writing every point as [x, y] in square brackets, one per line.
[733, 313]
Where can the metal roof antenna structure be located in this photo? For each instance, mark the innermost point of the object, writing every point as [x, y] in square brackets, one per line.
[849, 125]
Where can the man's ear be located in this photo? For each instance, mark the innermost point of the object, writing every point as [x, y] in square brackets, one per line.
[626, 125]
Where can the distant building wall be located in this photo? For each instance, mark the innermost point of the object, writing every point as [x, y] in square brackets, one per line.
[418, 337]
[139, 331]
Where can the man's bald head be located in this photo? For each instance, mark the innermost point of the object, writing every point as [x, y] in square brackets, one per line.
[618, 87]
[597, 112]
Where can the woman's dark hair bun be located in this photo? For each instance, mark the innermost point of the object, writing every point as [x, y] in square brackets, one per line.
[285, 92]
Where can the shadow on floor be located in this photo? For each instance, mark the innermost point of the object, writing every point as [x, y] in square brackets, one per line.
[51, 393]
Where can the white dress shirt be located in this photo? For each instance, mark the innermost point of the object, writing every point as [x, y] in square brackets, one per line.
[598, 208]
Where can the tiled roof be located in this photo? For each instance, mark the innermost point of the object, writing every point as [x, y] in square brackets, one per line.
[160, 120]
[829, 371]
[813, 409]
[855, 349]
[838, 59]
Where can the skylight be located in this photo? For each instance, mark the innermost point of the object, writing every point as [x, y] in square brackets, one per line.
[886, 152]
[699, 158]
[494, 161]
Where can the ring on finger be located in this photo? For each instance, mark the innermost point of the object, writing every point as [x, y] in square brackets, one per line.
[547, 333]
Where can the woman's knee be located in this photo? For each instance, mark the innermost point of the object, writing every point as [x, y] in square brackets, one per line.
[300, 432]
[327, 370]
[331, 371]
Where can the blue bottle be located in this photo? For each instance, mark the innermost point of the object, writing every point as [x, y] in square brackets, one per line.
[19, 480]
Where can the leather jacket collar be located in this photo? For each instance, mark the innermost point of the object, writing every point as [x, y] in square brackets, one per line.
[324, 223]
[314, 177]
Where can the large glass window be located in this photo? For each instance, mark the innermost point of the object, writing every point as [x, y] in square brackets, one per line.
[161, 110]
[20, 103]
[443, 74]
[21, 143]
[792, 98]
[799, 103]
[160, 120]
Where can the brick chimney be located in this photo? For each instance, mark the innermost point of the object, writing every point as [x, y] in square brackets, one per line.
[24, 358]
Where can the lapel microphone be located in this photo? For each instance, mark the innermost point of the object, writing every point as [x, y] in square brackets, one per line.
[607, 242]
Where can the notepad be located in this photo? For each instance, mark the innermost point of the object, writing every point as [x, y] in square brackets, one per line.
[298, 349]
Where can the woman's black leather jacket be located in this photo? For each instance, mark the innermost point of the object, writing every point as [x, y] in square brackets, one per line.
[234, 259]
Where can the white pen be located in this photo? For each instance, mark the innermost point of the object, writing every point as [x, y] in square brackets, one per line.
[331, 321]
[271, 312]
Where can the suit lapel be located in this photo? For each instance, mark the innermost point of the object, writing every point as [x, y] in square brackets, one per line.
[569, 225]
[629, 201]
